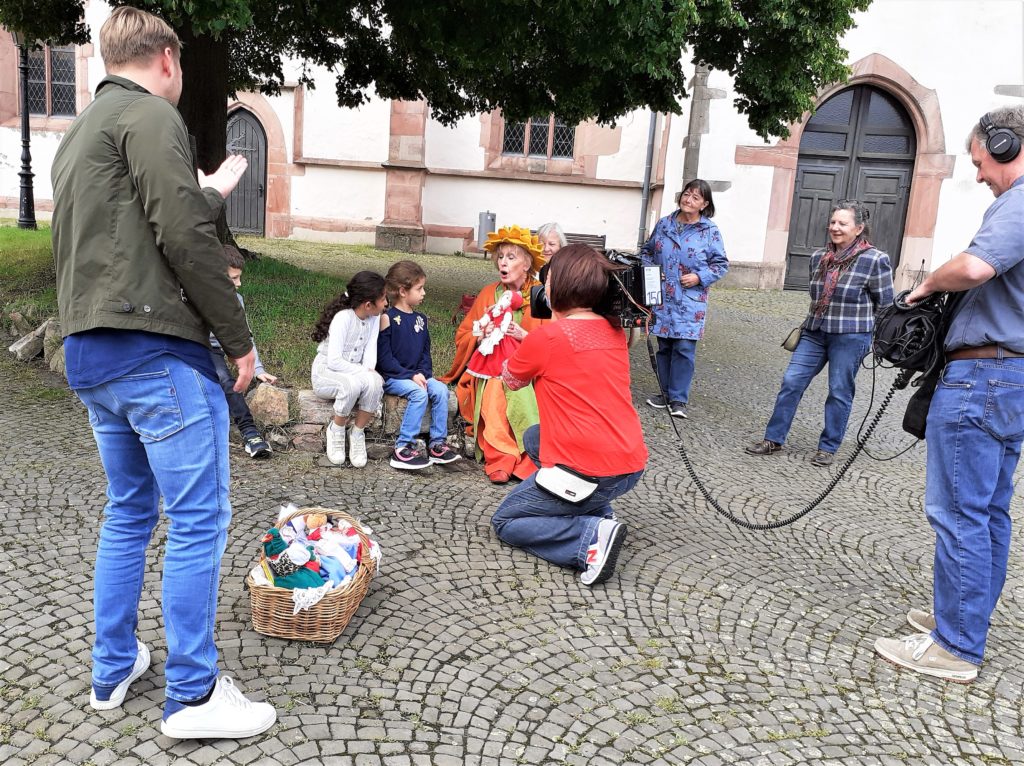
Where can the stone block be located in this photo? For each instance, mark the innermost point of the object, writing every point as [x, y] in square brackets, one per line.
[20, 325]
[308, 443]
[306, 428]
[52, 339]
[313, 409]
[269, 404]
[57, 361]
[27, 347]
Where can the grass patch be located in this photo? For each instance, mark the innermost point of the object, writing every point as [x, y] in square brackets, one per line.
[27, 277]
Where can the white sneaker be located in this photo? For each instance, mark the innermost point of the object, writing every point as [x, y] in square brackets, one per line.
[357, 447]
[227, 715]
[121, 690]
[602, 555]
[336, 443]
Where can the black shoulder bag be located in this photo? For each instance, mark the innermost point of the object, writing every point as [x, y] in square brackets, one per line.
[912, 338]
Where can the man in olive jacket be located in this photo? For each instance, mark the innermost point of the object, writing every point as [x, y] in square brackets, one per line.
[140, 285]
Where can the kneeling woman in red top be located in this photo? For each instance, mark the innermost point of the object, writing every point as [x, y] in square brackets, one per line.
[589, 445]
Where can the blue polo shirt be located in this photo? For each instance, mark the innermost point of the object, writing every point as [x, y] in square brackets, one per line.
[994, 312]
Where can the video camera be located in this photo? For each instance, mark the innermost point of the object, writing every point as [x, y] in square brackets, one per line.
[631, 291]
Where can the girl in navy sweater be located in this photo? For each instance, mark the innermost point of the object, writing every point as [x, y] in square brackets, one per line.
[403, 360]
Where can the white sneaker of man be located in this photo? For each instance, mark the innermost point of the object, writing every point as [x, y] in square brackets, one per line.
[228, 714]
[357, 447]
[336, 443]
[121, 690]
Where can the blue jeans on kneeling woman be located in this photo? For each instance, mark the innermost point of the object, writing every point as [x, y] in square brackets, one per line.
[842, 352]
[553, 529]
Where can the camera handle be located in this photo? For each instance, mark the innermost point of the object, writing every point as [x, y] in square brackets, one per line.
[900, 383]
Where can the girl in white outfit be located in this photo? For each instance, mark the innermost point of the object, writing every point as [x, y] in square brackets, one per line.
[345, 360]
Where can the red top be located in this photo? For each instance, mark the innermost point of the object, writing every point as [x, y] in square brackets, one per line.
[580, 371]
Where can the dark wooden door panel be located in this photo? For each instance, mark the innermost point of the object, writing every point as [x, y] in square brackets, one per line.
[860, 144]
[817, 184]
[246, 205]
[884, 189]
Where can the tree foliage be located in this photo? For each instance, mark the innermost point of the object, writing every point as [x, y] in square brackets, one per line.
[577, 58]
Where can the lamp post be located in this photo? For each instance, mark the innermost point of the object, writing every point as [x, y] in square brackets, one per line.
[26, 198]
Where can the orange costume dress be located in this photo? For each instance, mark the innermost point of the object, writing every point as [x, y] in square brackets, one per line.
[497, 417]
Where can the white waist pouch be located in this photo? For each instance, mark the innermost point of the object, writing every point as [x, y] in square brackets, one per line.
[565, 484]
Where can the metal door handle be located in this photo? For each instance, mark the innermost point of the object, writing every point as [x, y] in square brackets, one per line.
[260, 189]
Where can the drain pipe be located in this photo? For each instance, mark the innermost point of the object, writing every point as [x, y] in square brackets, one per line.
[646, 193]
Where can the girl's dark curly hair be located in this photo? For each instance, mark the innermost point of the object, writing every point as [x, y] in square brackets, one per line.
[364, 286]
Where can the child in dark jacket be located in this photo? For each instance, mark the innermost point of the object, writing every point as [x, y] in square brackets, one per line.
[255, 445]
[403, 360]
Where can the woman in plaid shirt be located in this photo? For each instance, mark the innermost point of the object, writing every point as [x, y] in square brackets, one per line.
[850, 281]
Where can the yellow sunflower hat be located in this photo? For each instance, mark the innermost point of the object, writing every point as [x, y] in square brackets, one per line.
[517, 235]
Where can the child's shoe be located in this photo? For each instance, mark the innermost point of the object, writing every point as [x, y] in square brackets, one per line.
[336, 443]
[357, 447]
[441, 453]
[408, 459]
[256, 447]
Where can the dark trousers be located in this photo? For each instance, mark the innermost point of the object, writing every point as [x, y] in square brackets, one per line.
[237, 406]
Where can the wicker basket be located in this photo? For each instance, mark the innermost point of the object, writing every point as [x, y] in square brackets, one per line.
[325, 620]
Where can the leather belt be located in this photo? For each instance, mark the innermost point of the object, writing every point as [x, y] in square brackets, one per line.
[991, 351]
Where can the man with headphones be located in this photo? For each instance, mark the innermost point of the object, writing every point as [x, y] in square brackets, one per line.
[976, 419]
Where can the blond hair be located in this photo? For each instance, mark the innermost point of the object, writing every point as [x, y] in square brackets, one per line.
[131, 36]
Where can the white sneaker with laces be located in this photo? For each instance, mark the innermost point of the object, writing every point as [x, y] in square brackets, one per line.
[357, 447]
[336, 443]
[920, 653]
[602, 555]
[121, 690]
[228, 714]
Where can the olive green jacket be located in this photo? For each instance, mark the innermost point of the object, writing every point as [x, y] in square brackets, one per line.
[134, 238]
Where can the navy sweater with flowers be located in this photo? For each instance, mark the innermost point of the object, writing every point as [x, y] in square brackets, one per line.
[403, 349]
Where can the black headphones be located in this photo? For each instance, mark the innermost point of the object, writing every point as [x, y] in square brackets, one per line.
[1002, 143]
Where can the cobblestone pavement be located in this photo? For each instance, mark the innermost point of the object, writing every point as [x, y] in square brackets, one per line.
[711, 644]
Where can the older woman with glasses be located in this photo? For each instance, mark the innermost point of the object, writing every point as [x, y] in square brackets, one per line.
[850, 280]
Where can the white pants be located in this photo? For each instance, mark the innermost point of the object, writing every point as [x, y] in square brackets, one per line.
[359, 390]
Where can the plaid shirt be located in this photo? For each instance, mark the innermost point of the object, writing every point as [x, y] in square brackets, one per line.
[863, 288]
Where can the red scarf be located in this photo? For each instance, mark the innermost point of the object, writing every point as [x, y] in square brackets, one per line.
[831, 267]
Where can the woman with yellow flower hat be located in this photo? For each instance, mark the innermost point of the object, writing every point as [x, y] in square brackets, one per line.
[497, 416]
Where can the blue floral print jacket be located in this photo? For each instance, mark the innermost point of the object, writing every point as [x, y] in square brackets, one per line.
[690, 248]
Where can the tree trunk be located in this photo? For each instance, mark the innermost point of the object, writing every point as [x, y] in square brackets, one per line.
[204, 95]
[204, 105]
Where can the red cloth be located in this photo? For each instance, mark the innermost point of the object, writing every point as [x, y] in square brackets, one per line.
[580, 371]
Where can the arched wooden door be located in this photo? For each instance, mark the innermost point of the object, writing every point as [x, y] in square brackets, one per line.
[860, 144]
[247, 204]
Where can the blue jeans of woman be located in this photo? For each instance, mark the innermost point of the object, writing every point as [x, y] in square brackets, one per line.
[843, 353]
[435, 394]
[550, 528]
[676, 359]
[974, 429]
[162, 430]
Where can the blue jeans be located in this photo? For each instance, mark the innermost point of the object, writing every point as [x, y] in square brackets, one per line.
[550, 528]
[237, 406]
[436, 393]
[676, 358]
[975, 427]
[161, 430]
[843, 353]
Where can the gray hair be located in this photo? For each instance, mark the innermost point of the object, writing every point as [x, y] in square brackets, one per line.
[861, 214]
[548, 228]
[1010, 117]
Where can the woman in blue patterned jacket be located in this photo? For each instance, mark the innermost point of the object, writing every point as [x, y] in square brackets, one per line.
[850, 280]
[689, 249]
